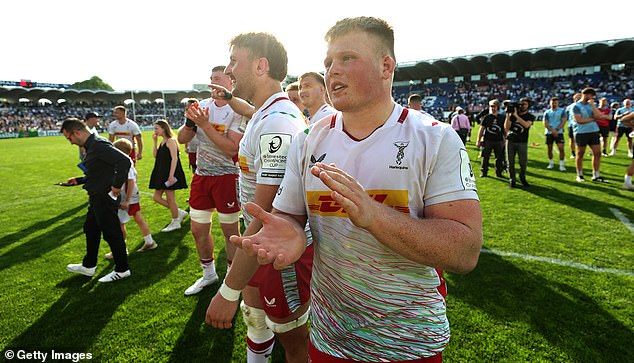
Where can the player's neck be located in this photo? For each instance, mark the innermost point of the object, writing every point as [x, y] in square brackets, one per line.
[264, 91]
[360, 124]
[313, 110]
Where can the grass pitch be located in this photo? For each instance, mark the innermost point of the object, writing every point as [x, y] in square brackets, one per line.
[556, 283]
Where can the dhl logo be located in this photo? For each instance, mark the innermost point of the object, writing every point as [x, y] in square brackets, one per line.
[242, 162]
[219, 127]
[323, 204]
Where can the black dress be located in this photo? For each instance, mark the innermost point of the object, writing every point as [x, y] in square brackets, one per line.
[161, 171]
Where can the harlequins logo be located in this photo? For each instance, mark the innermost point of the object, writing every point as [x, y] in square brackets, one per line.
[275, 144]
[401, 145]
[269, 303]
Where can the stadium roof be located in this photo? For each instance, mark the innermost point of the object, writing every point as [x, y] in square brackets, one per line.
[557, 57]
[13, 94]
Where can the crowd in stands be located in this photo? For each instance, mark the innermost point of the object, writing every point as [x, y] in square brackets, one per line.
[438, 100]
[26, 117]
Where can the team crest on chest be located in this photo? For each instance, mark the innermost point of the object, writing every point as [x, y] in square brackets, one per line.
[400, 154]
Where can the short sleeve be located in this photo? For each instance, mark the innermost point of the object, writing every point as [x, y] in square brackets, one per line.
[291, 195]
[451, 176]
[274, 141]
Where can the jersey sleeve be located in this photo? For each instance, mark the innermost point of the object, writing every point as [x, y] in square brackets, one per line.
[291, 195]
[451, 175]
[274, 141]
[237, 123]
[111, 128]
[136, 130]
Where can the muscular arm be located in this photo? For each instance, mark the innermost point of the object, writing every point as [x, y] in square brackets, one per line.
[449, 237]
[139, 141]
[244, 266]
[185, 134]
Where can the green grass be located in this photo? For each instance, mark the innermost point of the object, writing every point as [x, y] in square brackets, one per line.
[508, 309]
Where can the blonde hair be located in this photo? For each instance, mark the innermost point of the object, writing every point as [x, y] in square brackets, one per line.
[123, 145]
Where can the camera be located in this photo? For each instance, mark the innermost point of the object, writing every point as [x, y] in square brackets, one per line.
[510, 106]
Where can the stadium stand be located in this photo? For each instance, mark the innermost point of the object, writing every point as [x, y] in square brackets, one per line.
[469, 82]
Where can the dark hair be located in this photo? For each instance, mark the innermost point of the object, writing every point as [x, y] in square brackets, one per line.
[588, 91]
[165, 126]
[318, 77]
[526, 99]
[375, 26]
[554, 99]
[264, 45]
[218, 69]
[73, 124]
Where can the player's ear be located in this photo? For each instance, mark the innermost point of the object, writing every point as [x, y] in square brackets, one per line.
[389, 65]
[262, 66]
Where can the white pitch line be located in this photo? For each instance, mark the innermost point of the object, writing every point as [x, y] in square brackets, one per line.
[558, 262]
[617, 213]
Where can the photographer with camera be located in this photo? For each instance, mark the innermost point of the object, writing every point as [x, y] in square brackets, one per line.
[517, 123]
[491, 138]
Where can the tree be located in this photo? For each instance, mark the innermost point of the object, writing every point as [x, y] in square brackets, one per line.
[94, 83]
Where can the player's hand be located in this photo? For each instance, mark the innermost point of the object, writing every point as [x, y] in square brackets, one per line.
[279, 241]
[220, 312]
[200, 116]
[71, 181]
[554, 133]
[348, 193]
[154, 137]
[139, 155]
[124, 205]
[218, 92]
[115, 191]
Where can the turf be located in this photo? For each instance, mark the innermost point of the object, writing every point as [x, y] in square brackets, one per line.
[509, 309]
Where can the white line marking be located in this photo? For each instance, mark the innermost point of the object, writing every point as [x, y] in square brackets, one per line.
[558, 262]
[617, 213]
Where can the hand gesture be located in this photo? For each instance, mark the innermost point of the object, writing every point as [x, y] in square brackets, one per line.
[154, 137]
[197, 114]
[220, 312]
[218, 92]
[71, 181]
[279, 241]
[124, 205]
[350, 195]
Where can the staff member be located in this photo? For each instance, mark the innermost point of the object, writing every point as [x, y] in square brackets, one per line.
[106, 171]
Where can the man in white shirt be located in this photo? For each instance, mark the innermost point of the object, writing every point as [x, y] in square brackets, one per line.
[312, 91]
[125, 128]
[392, 202]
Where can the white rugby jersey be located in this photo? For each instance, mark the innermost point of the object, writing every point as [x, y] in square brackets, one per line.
[135, 197]
[324, 110]
[367, 302]
[265, 144]
[126, 131]
[210, 160]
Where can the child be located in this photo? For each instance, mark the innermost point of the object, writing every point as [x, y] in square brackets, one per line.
[130, 203]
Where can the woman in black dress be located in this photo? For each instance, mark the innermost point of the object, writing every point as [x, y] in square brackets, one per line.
[167, 175]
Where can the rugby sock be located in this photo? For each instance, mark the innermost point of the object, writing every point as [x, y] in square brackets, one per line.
[259, 352]
[628, 179]
[561, 162]
[595, 174]
[209, 268]
[550, 162]
[148, 239]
